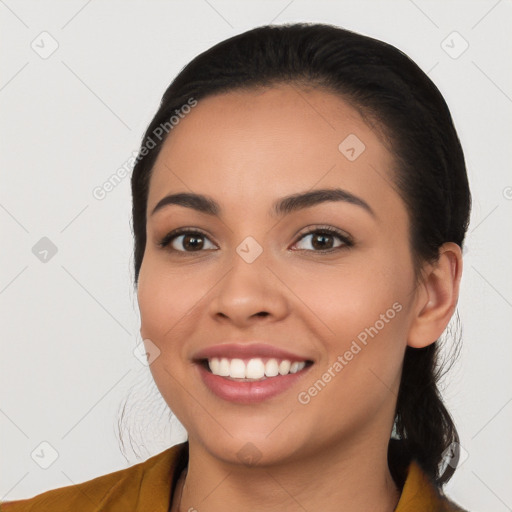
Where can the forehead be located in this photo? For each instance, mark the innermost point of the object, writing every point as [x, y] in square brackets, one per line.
[256, 145]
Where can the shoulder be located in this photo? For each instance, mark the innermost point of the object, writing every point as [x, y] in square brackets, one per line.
[147, 482]
[421, 494]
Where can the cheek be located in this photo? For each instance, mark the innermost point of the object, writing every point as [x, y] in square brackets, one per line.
[157, 298]
[163, 305]
[171, 300]
[362, 311]
[360, 368]
[348, 298]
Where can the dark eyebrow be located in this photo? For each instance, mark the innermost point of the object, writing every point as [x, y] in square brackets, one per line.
[283, 206]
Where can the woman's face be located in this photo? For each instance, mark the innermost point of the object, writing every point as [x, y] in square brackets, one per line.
[255, 276]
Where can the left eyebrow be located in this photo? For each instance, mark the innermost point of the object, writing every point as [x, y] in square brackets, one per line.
[295, 202]
[281, 207]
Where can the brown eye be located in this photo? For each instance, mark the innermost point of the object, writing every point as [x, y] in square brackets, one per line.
[185, 241]
[192, 241]
[324, 239]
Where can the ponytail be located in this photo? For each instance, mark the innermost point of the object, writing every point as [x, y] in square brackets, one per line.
[422, 422]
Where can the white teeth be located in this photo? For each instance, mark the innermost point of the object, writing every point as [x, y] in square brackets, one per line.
[254, 368]
[237, 369]
[284, 367]
[224, 367]
[296, 367]
[271, 368]
[214, 365]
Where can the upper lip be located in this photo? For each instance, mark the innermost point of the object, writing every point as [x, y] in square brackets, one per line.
[247, 351]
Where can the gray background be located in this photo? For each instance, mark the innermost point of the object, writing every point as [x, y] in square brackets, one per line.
[71, 118]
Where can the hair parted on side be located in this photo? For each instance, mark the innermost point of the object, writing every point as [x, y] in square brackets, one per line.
[400, 101]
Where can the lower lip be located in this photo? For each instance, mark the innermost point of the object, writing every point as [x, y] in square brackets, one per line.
[249, 392]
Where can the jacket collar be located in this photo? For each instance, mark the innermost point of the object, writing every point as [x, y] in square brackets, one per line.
[419, 493]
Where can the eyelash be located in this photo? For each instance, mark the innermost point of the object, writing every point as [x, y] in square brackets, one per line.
[328, 230]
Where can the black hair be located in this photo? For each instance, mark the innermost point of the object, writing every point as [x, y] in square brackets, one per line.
[404, 106]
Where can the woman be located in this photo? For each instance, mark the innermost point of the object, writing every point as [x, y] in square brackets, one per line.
[300, 201]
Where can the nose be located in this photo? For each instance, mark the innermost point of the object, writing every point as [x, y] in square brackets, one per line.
[249, 293]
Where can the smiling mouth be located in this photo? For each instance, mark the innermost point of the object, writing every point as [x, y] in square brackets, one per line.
[252, 370]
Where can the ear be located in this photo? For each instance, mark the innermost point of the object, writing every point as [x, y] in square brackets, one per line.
[437, 296]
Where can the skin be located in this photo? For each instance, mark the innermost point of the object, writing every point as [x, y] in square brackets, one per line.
[246, 150]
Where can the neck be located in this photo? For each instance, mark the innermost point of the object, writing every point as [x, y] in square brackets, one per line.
[353, 478]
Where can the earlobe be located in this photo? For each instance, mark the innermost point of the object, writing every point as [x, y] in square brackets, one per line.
[437, 297]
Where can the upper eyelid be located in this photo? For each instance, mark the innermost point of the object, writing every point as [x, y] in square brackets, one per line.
[330, 229]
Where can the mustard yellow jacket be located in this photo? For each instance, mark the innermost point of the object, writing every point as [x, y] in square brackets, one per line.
[148, 487]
